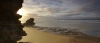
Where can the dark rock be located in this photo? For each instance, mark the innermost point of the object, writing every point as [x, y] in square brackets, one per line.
[11, 29]
[29, 22]
[8, 9]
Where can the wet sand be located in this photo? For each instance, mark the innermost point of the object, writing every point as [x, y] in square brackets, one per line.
[38, 36]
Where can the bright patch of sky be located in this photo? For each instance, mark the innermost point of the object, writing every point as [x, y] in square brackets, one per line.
[62, 8]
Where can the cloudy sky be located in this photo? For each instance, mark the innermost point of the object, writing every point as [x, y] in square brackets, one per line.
[61, 9]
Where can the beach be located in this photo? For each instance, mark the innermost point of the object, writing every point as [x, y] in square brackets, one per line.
[38, 36]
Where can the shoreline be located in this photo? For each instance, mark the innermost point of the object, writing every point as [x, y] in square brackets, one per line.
[60, 31]
[38, 36]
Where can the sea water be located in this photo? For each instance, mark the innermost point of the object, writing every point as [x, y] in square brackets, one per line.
[91, 27]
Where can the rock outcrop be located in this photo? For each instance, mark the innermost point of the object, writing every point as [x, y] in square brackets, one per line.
[11, 29]
[29, 22]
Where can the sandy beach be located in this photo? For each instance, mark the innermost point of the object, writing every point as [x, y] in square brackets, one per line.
[38, 36]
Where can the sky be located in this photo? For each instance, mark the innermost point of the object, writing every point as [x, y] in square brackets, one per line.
[44, 11]
[61, 9]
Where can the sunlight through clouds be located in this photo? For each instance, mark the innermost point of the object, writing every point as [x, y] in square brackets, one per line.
[62, 8]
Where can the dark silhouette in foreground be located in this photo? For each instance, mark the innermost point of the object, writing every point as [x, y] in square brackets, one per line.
[29, 22]
[11, 30]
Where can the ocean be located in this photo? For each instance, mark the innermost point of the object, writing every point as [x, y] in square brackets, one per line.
[90, 27]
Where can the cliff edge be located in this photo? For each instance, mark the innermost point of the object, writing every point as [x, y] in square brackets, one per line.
[11, 29]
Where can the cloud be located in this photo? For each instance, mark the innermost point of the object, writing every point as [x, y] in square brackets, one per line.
[94, 7]
[56, 8]
[52, 10]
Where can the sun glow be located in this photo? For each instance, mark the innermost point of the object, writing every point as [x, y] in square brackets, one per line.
[21, 12]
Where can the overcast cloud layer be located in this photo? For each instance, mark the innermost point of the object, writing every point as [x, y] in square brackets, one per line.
[62, 9]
